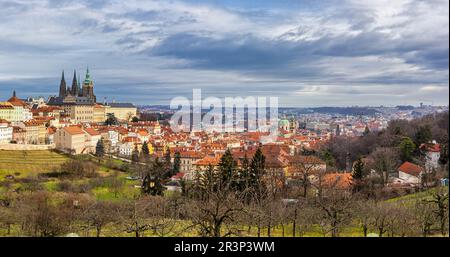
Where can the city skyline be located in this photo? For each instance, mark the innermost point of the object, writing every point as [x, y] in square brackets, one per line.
[308, 54]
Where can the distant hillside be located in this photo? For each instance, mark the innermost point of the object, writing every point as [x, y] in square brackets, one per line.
[345, 110]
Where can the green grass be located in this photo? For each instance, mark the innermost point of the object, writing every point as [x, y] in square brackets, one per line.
[28, 162]
[410, 198]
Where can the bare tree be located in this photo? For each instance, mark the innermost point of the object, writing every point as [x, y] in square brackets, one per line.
[134, 215]
[440, 200]
[385, 162]
[99, 214]
[424, 217]
[305, 167]
[217, 212]
[336, 210]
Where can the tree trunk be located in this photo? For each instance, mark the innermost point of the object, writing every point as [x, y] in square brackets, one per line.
[259, 227]
[98, 228]
[294, 223]
[365, 230]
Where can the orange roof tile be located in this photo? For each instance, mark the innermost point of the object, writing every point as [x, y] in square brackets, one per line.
[411, 169]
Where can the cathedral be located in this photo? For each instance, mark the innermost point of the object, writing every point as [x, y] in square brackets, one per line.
[76, 93]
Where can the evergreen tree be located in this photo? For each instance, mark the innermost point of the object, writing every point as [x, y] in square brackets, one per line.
[244, 180]
[327, 156]
[145, 150]
[176, 163]
[111, 119]
[358, 169]
[135, 154]
[167, 162]
[227, 167]
[100, 148]
[257, 171]
[407, 148]
[257, 168]
[152, 185]
[357, 175]
[366, 131]
[443, 159]
[423, 135]
[167, 157]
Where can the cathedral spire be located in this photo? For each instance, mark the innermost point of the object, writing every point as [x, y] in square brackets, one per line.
[62, 86]
[14, 93]
[75, 89]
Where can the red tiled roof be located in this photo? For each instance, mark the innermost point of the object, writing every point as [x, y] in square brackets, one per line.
[337, 180]
[16, 101]
[431, 147]
[92, 131]
[73, 130]
[411, 169]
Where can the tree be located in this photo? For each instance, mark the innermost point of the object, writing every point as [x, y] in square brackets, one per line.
[257, 170]
[214, 216]
[423, 135]
[111, 119]
[440, 201]
[135, 119]
[134, 216]
[145, 150]
[305, 167]
[443, 159]
[423, 213]
[100, 148]
[227, 168]
[327, 156]
[385, 162]
[99, 214]
[151, 185]
[366, 131]
[358, 169]
[358, 175]
[135, 155]
[176, 163]
[407, 148]
[336, 210]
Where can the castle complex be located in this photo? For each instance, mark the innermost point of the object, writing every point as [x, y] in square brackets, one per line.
[76, 94]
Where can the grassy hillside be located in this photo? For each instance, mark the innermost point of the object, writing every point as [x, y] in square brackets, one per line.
[28, 162]
[411, 198]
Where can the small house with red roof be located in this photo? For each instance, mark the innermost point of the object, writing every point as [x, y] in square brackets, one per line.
[410, 173]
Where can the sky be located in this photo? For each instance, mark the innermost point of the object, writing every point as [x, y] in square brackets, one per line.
[308, 53]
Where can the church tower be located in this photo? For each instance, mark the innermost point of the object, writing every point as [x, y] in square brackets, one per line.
[88, 87]
[62, 87]
[75, 88]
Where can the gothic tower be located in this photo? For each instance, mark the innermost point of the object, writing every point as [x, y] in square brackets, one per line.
[75, 89]
[88, 87]
[62, 87]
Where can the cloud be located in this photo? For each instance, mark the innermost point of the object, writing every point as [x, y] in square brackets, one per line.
[382, 51]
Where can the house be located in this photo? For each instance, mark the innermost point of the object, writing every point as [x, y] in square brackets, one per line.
[410, 173]
[93, 136]
[433, 153]
[6, 132]
[72, 139]
[187, 158]
[338, 181]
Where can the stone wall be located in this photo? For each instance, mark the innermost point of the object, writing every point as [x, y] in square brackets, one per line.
[26, 147]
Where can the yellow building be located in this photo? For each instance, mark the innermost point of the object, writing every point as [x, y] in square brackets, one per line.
[122, 111]
[6, 111]
[80, 113]
[100, 113]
